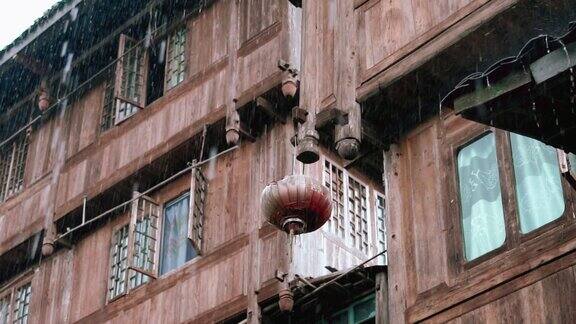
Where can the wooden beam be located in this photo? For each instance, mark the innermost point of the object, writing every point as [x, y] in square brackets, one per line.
[331, 115]
[483, 94]
[267, 107]
[554, 63]
[39, 31]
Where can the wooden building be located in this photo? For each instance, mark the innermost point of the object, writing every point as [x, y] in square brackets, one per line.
[136, 139]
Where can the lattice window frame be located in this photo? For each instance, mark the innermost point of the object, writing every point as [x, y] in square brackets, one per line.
[196, 210]
[358, 214]
[381, 230]
[13, 165]
[118, 268]
[108, 117]
[144, 230]
[130, 244]
[130, 79]
[21, 303]
[335, 180]
[349, 226]
[6, 305]
[176, 58]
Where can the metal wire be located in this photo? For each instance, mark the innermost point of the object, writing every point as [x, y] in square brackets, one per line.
[156, 186]
[160, 28]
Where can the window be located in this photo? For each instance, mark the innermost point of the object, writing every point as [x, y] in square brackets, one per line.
[125, 89]
[360, 312]
[517, 200]
[176, 58]
[22, 304]
[133, 250]
[134, 256]
[358, 214]
[572, 160]
[381, 226]
[15, 304]
[539, 193]
[4, 309]
[12, 166]
[176, 247]
[118, 262]
[350, 211]
[482, 212]
[334, 179]
[108, 107]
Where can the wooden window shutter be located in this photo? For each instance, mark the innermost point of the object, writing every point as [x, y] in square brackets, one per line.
[143, 242]
[130, 79]
[198, 189]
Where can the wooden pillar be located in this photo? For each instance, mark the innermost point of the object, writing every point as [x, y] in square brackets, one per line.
[232, 117]
[347, 136]
[57, 145]
[394, 237]
[308, 150]
[382, 298]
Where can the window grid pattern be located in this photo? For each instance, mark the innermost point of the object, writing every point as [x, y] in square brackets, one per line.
[12, 166]
[198, 189]
[118, 262]
[145, 234]
[176, 63]
[350, 210]
[22, 304]
[132, 72]
[381, 221]
[4, 309]
[130, 92]
[358, 214]
[334, 180]
[108, 108]
[142, 253]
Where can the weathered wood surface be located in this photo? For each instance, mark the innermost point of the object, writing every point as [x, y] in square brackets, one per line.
[325, 247]
[241, 253]
[429, 279]
[98, 161]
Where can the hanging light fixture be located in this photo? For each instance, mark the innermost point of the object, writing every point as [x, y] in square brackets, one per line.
[296, 204]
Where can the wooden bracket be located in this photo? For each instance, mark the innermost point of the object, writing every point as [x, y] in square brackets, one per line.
[285, 66]
[299, 115]
[329, 116]
[280, 275]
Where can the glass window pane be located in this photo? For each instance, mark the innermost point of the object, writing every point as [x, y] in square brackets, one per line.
[538, 185]
[176, 247]
[341, 318]
[365, 311]
[572, 159]
[480, 197]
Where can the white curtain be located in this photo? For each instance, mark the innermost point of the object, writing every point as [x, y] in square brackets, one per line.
[176, 248]
[538, 184]
[480, 197]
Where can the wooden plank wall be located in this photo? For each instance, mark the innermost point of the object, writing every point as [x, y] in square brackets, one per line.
[425, 276]
[97, 161]
[76, 279]
[387, 31]
[323, 246]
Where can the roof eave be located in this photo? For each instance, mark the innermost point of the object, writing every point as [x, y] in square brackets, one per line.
[39, 30]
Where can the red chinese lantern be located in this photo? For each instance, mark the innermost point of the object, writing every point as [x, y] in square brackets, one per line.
[297, 204]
